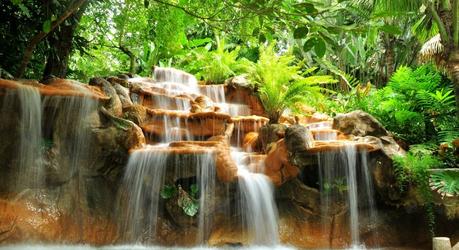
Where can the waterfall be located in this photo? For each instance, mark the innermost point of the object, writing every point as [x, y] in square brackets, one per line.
[173, 79]
[216, 92]
[26, 99]
[148, 171]
[343, 186]
[259, 210]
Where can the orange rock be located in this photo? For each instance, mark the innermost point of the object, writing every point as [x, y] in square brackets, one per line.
[235, 94]
[196, 124]
[25, 220]
[277, 166]
[251, 141]
[59, 87]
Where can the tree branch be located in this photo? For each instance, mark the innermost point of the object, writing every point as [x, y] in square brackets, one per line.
[35, 40]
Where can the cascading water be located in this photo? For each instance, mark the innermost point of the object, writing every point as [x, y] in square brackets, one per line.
[215, 92]
[340, 183]
[30, 155]
[259, 212]
[174, 79]
[29, 158]
[148, 171]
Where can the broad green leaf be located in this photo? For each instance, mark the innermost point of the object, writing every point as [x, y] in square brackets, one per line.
[320, 47]
[47, 26]
[194, 190]
[300, 32]
[168, 191]
[309, 44]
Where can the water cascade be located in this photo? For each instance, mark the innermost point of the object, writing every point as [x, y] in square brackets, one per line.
[258, 206]
[346, 184]
[187, 169]
[28, 154]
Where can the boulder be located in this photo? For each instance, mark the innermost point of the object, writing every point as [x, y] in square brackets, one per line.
[359, 123]
[123, 94]
[135, 113]
[298, 138]
[271, 133]
[114, 105]
[239, 90]
[277, 165]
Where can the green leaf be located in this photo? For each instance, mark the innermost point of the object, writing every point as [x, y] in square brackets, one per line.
[194, 190]
[47, 26]
[320, 47]
[189, 205]
[168, 191]
[309, 44]
[391, 29]
[306, 7]
[191, 208]
[446, 183]
[300, 32]
[262, 38]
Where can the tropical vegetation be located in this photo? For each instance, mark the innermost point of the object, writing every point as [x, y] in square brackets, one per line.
[395, 59]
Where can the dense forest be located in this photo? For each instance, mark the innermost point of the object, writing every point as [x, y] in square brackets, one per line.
[397, 60]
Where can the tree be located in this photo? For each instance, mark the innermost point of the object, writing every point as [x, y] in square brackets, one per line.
[47, 28]
[444, 14]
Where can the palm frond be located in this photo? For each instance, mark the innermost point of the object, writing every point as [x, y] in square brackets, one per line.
[432, 50]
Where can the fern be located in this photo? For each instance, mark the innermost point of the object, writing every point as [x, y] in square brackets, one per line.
[280, 85]
[445, 182]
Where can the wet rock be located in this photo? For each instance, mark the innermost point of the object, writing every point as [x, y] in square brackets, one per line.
[278, 167]
[123, 94]
[298, 138]
[306, 197]
[239, 90]
[359, 123]
[121, 80]
[271, 133]
[39, 220]
[202, 104]
[114, 104]
[135, 113]
[251, 142]
[204, 124]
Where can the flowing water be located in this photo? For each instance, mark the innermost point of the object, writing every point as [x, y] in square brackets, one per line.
[259, 210]
[344, 187]
[30, 155]
[148, 171]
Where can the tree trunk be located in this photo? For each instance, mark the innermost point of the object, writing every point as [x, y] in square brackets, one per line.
[132, 58]
[453, 65]
[35, 40]
[61, 46]
[390, 57]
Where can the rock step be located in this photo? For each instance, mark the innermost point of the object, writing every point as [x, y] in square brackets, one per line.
[57, 87]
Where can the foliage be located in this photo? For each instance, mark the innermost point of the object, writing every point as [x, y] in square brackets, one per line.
[188, 201]
[446, 183]
[417, 105]
[413, 169]
[280, 86]
[168, 192]
[214, 66]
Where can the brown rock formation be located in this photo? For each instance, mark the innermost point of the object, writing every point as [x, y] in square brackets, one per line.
[277, 165]
[59, 87]
[196, 124]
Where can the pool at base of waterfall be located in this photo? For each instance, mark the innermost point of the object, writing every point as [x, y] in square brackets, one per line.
[141, 247]
[130, 247]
